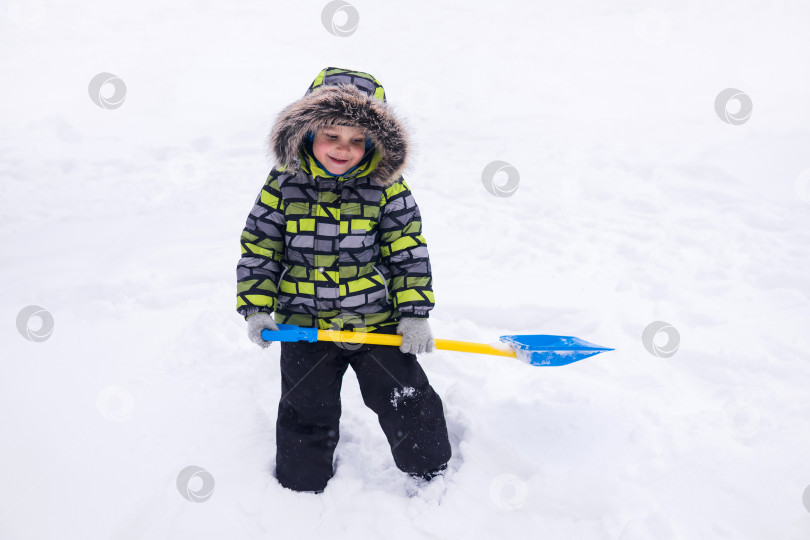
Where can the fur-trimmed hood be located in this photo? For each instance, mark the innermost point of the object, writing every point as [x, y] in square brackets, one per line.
[343, 97]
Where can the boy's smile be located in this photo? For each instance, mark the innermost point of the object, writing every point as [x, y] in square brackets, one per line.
[339, 148]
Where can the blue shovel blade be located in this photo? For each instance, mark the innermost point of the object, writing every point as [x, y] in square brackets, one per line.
[545, 350]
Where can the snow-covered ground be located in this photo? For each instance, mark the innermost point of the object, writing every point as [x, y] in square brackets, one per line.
[636, 203]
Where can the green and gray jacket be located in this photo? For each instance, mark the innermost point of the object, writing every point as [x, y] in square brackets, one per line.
[339, 252]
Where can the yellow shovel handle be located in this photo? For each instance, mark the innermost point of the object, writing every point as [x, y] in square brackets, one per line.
[391, 339]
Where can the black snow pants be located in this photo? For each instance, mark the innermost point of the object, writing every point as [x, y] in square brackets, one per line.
[392, 384]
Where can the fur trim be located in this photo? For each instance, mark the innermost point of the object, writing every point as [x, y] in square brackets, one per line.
[342, 104]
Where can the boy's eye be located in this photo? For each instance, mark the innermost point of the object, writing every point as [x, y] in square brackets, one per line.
[333, 137]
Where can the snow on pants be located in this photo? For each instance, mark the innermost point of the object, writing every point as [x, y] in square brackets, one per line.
[392, 384]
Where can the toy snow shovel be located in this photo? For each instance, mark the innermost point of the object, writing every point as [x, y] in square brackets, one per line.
[536, 350]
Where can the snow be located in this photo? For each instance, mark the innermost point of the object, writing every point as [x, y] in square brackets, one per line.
[636, 204]
[398, 396]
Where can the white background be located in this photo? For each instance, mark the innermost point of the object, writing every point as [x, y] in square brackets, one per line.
[636, 204]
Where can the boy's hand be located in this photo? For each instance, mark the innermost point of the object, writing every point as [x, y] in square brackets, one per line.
[416, 335]
[258, 322]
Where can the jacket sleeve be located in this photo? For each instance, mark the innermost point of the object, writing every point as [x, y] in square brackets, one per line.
[262, 243]
[404, 252]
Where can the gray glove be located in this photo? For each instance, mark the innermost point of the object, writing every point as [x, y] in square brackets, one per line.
[416, 335]
[258, 322]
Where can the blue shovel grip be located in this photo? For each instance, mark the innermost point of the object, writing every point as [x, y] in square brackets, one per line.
[291, 332]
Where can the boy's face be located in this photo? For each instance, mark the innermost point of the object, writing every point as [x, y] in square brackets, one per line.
[339, 148]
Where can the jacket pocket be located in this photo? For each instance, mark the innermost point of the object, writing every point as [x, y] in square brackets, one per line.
[278, 287]
[384, 282]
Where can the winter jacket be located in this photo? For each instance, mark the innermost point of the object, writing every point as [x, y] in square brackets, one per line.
[339, 252]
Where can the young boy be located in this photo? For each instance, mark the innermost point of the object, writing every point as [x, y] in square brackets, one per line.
[334, 242]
